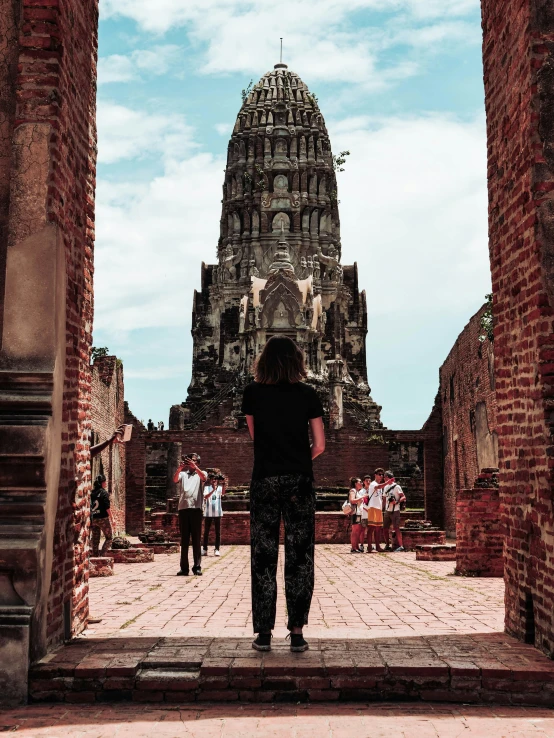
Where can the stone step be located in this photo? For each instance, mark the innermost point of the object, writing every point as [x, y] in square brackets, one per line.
[437, 552]
[477, 668]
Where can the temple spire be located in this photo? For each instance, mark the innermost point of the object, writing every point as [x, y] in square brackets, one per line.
[281, 65]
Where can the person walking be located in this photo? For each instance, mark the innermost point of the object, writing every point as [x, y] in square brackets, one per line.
[393, 497]
[213, 510]
[279, 407]
[356, 498]
[100, 516]
[191, 479]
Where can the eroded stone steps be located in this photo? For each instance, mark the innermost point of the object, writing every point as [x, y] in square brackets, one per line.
[481, 668]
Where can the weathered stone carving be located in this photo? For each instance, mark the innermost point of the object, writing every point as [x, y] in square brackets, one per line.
[291, 281]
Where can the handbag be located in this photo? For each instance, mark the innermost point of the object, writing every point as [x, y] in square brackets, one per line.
[347, 507]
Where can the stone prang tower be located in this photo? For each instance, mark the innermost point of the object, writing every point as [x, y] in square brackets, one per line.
[279, 268]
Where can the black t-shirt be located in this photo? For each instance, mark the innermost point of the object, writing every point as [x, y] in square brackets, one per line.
[99, 504]
[281, 414]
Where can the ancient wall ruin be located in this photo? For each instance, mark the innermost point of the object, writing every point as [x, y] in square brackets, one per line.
[108, 413]
[47, 168]
[518, 56]
[469, 425]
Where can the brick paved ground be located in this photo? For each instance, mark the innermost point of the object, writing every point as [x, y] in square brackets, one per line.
[366, 596]
[279, 721]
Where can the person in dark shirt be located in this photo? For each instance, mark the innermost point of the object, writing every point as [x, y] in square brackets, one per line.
[279, 408]
[100, 516]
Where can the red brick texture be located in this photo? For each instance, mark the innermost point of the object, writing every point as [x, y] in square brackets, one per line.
[56, 85]
[479, 534]
[518, 55]
[107, 414]
[135, 476]
[482, 668]
[468, 407]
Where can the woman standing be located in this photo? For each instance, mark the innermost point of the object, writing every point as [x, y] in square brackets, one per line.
[279, 407]
[356, 498]
[374, 507]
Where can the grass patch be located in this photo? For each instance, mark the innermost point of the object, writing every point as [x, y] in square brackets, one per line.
[133, 620]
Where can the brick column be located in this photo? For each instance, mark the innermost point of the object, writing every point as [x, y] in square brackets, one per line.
[518, 56]
[479, 533]
[47, 164]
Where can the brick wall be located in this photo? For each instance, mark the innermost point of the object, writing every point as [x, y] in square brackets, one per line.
[330, 527]
[107, 414]
[479, 533]
[135, 476]
[56, 87]
[433, 465]
[467, 395]
[518, 55]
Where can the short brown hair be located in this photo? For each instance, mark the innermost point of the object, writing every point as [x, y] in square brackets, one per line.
[280, 361]
[379, 470]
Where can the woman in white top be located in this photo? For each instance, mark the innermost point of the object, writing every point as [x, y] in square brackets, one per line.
[373, 503]
[213, 510]
[356, 499]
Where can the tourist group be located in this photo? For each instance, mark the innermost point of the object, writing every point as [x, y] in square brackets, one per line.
[374, 507]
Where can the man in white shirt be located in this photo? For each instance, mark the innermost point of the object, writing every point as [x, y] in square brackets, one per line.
[191, 480]
[213, 510]
[393, 496]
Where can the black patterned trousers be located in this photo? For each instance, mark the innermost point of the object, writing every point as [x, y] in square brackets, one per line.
[292, 498]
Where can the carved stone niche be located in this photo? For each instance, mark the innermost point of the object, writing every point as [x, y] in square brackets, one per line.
[281, 302]
[32, 370]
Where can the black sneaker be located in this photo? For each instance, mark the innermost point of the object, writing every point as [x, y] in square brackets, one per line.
[297, 642]
[197, 571]
[182, 573]
[262, 642]
[361, 548]
[355, 551]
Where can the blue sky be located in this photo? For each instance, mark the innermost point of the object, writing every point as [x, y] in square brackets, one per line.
[399, 83]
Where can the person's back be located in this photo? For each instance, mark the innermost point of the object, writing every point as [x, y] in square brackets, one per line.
[281, 415]
[279, 409]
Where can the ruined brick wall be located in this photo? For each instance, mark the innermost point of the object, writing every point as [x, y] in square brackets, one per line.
[433, 465]
[107, 414]
[466, 390]
[330, 527]
[347, 454]
[135, 476]
[518, 54]
[56, 97]
[479, 533]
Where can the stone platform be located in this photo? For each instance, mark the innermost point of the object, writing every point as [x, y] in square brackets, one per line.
[480, 668]
[133, 555]
[438, 552]
[101, 566]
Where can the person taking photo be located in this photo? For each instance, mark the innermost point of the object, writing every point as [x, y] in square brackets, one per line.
[191, 480]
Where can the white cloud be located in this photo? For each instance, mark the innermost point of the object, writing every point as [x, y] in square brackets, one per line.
[414, 210]
[324, 41]
[126, 68]
[124, 133]
[224, 129]
[150, 242]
